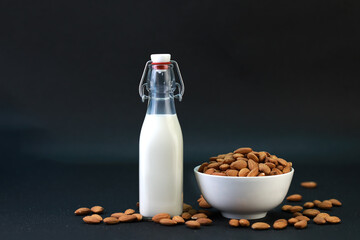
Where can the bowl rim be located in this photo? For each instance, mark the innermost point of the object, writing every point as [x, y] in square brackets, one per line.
[231, 177]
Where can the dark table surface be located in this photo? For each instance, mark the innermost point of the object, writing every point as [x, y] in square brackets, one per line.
[38, 199]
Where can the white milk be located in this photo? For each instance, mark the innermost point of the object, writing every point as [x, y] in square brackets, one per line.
[161, 165]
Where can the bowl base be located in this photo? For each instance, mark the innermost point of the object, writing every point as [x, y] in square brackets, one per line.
[244, 216]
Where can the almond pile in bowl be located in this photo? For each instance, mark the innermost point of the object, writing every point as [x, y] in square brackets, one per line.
[244, 162]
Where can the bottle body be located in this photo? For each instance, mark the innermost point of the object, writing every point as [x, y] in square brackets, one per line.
[161, 165]
[161, 143]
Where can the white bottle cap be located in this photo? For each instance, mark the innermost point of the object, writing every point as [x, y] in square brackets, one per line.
[160, 58]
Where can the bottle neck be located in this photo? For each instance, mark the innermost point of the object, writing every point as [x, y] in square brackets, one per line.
[161, 105]
[161, 86]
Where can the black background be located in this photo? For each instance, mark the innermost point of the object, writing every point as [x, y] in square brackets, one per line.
[281, 76]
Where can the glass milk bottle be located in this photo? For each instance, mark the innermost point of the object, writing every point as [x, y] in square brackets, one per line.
[161, 142]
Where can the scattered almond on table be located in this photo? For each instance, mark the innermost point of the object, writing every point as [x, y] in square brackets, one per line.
[97, 209]
[260, 226]
[280, 224]
[310, 184]
[192, 224]
[194, 219]
[234, 222]
[294, 198]
[301, 224]
[82, 211]
[204, 221]
[111, 220]
[167, 222]
[91, 220]
[244, 223]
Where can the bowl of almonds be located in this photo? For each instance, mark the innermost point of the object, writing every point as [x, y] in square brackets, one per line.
[244, 184]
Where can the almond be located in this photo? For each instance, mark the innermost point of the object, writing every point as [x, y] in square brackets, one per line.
[97, 209]
[224, 167]
[302, 218]
[260, 226]
[319, 220]
[127, 218]
[186, 215]
[213, 158]
[272, 160]
[214, 165]
[286, 169]
[232, 172]
[243, 172]
[325, 205]
[221, 156]
[167, 222]
[129, 211]
[82, 211]
[204, 204]
[311, 212]
[309, 205]
[275, 171]
[335, 202]
[252, 164]
[301, 224]
[111, 220]
[332, 219]
[204, 221]
[244, 223]
[261, 174]
[160, 216]
[138, 216]
[252, 156]
[286, 207]
[97, 216]
[262, 156]
[229, 160]
[178, 219]
[253, 173]
[243, 150]
[192, 224]
[117, 215]
[282, 161]
[234, 222]
[270, 165]
[280, 224]
[280, 167]
[323, 215]
[309, 184]
[296, 209]
[294, 198]
[202, 166]
[292, 221]
[264, 168]
[210, 171]
[239, 164]
[91, 220]
[198, 215]
[238, 155]
[316, 202]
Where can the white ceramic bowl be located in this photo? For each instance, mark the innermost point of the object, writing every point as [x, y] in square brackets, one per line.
[244, 197]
